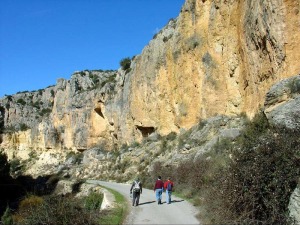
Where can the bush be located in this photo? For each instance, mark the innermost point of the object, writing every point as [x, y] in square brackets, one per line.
[171, 136]
[24, 127]
[57, 210]
[246, 181]
[31, 201]
[125, 63]
[21, 101]
[45, 112]
[7, 218]
[15, 165]
[93, 201]
[264, 178]
[4, 166]
[255, 185]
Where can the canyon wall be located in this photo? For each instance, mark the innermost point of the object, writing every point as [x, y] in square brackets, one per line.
[216, 58]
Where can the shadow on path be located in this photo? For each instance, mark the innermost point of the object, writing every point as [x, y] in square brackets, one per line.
[145, 203]
[176, 201]
[173, 201]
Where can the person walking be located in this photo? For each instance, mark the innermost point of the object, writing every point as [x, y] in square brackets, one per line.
[136, 191]
[168, 185]
[158, 189]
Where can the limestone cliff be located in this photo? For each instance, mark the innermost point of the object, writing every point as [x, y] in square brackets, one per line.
[216, 58]
[61, 117]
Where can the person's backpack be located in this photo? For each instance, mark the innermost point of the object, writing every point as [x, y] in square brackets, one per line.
[169, 186]
[136, 187]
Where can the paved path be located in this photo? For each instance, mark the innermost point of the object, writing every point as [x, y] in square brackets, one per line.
[149, 212]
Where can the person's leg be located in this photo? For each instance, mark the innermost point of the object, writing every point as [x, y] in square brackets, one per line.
[167, 197]
[133, 198]
[157, 195]
[137, 198]
[160, 195]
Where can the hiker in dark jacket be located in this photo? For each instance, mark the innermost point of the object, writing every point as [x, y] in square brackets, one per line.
[136, 191]
[158, 189]
[168, 185]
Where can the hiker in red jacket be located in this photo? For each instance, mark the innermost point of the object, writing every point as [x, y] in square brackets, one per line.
[168, 185]
[158, 189]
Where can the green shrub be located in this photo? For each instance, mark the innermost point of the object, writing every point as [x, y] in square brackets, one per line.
[57, 210]
[33, 155]
[135, 144]
[15, 165]
[264, 177]
[254, 186]
[30, 201]
[21, 101]
[7, 218]
[45, 112]
[94, 78]
[171, 136]
[125, 63]
[9, 97]
[24, 127]
[4, 165]
[192, 42]
[294, 86]
[36, 105]
[52, 93]
[93, 201]
[166, 38]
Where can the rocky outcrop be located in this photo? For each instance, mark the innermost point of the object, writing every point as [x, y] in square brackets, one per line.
[282, 105]
[294, 206]
[63, 117]
[216, 58]
[282, 108]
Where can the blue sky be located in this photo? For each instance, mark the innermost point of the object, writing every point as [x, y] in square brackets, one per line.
[43, 40]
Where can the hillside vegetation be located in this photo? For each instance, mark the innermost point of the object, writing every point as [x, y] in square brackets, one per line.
[245, 180]
[248, 181]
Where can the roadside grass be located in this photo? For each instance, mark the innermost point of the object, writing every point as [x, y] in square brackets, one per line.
[116, 215]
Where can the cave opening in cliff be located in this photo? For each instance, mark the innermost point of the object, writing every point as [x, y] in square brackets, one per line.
[99, 112]
[81, 149]
[146, 131]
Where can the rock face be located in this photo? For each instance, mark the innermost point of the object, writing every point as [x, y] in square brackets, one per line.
[66, 116]
[216, 58]
[294, 205]
[282, 105]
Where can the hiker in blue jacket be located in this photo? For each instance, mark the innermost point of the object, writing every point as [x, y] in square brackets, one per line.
[168, 185]
[136, 191]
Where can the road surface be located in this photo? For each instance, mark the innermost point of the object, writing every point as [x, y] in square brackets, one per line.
[149, 212]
